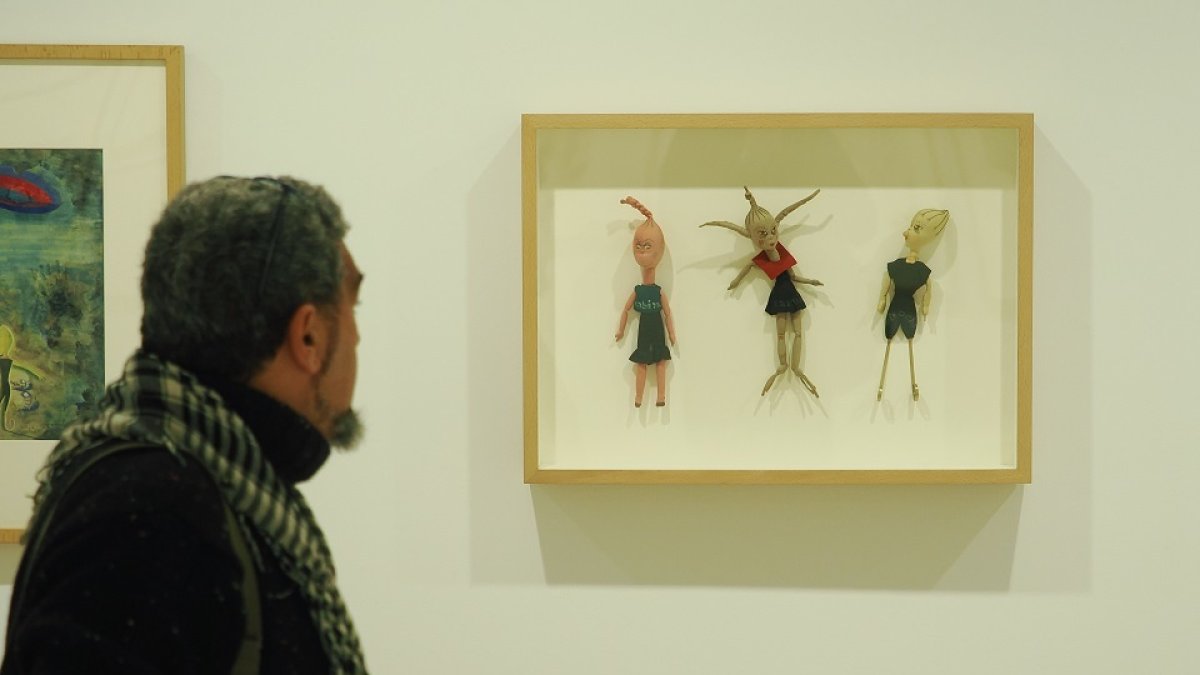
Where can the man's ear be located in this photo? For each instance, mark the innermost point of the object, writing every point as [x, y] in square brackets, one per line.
[305, 339]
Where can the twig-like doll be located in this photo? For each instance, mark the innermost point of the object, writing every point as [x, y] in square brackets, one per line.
[8, 343]
[784, 303]
[650, 301]
[905, 276]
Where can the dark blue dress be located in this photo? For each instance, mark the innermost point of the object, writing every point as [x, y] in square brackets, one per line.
[902, 313]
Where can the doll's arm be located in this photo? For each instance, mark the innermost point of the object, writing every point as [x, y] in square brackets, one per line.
[624, 316]
[883, 294]
[741, 275]
[801, 280]
[926, 294]
[667, 319]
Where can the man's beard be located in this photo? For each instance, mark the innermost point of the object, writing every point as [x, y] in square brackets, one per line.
[346, 431]
[346, 428]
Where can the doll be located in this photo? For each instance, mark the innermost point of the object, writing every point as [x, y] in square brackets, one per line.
[650, 302]
[904, 277]
[784, 303]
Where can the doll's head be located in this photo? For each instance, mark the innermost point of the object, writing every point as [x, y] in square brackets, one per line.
[926, 225]
[648, 241]
[761, 225]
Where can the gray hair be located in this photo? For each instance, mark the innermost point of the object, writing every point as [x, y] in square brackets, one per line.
[229, 262]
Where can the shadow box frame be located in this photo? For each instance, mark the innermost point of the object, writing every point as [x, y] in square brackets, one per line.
[972, 421]
[127, 102]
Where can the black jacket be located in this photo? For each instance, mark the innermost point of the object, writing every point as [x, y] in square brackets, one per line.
[137, 573]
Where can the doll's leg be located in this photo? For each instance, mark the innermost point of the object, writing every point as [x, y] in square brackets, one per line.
[883, 373]
[797, 343]
[639, 384]
[912, 372]
[660, 373]
[781, 350]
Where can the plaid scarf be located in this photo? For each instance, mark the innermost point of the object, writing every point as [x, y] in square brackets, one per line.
[160, 404]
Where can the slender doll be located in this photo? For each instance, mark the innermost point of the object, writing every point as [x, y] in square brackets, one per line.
[904, 277]
[784, 303]
[650, 301]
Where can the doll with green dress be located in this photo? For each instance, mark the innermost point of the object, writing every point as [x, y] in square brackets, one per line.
[655, 324]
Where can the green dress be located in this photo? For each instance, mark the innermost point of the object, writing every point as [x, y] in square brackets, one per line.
[652, 338]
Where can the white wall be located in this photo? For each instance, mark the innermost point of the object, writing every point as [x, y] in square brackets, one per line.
[409, 113]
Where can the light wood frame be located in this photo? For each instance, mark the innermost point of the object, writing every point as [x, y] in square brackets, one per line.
[650, 173]
[124, 236]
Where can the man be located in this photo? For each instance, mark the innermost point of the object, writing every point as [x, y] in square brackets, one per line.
[168, 535]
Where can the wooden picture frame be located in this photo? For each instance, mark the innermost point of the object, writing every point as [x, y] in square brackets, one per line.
[972, 423]
[126, 101]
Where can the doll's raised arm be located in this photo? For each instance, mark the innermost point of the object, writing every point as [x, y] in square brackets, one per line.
[729, 226]
[883, 293]
[624, 317]
[667, 319]
[741, 275]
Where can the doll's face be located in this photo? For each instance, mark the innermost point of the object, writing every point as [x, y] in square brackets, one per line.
[925, 226]
[762, 228]
[648, 247]
[765, 235]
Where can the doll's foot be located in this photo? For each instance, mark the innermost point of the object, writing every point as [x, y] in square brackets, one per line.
[812, 388]
[771, 380]
[637, 403]
[660, 404]
[916, 392]
[879, 394]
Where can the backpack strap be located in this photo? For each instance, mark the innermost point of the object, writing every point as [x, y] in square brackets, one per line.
[250, 653]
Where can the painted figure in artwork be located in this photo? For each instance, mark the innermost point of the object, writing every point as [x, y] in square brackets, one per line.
[14, 376]
[784, 303]
[649, 300]
[904, 278]
[51, 290]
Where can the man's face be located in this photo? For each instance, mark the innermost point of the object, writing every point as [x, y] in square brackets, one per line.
[335, 383]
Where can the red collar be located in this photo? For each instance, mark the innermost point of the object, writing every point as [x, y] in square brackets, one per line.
[774, 269]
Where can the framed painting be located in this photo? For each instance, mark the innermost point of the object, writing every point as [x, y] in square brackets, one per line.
[91, 149]
[786, 352]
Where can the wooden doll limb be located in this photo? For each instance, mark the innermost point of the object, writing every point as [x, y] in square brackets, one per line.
[797, 343]
[883, 293]
[883, 373]
[660, 373]
[912, 372]
[639, 385]
[803, 280]
[741, 275]
[781, 350]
